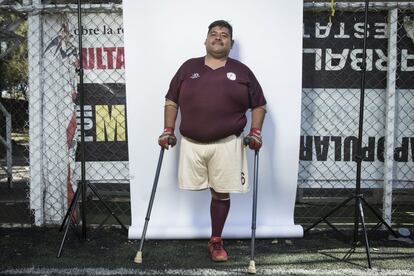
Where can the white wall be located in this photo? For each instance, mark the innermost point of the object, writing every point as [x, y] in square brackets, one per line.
[159, 36]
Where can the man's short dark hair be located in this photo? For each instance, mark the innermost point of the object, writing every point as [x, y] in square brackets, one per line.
[221, 23]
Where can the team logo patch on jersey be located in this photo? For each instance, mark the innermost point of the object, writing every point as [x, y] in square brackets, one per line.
[231, 76]
[195, 76]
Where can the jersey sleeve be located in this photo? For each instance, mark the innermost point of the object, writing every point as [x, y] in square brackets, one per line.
[256, 96]
[175, 85]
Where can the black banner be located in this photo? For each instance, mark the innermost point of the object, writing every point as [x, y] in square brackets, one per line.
[332, 52]
[105, 122]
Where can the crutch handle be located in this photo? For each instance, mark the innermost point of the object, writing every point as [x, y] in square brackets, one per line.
[170, 141]
[246, 141]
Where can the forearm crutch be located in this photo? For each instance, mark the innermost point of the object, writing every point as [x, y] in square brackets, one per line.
[138, 256]
[252, 265]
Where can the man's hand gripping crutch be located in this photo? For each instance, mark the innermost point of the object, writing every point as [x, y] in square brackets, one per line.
[166, 139]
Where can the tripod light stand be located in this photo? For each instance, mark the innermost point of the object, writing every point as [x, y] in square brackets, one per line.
[358, 196]
[83, 184]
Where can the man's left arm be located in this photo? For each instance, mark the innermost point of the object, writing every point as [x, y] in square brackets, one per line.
[258, 115]
[255, 135]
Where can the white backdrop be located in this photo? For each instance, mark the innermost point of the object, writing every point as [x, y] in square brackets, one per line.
[159, 36]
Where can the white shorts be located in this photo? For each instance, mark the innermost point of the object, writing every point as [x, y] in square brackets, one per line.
[220, 165]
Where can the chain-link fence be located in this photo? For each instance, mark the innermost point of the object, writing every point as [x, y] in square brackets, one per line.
[332, 60]
[57, 151]
[46, 167]
[53, 120]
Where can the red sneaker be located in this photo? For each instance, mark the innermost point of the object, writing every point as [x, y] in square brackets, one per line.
[216, 249]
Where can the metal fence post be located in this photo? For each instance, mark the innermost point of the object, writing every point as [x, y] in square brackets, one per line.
[35, 64]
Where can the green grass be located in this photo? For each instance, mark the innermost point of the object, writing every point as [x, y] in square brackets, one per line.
[111, 249]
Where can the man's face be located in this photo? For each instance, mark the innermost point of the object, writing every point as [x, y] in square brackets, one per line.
[218, 42]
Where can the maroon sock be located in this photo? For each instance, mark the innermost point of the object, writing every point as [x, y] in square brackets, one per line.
[218, 212]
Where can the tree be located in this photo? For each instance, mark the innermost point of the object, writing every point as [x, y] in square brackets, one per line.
[13, 55]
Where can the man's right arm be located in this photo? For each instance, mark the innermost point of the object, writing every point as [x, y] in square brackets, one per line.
[167, 138]
[170, 113]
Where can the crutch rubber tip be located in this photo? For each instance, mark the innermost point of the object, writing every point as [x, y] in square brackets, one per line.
[138, 257]
[252, 268]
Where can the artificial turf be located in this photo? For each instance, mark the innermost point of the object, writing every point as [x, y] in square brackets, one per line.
[110, 248]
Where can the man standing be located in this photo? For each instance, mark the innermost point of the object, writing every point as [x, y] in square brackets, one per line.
[213, 94]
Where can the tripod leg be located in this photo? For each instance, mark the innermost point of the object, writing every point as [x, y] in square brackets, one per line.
[252, 265]
[356, 221]
[138, 257]
[70, 208]
[349, 253]
[68, 219]
[329, 214]
[361, 213]
[380, 218]
[95, 191]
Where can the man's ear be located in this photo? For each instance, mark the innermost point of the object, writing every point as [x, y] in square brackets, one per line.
[205, 42]
[232, 43]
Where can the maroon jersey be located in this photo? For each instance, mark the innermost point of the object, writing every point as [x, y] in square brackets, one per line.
[213, 103]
